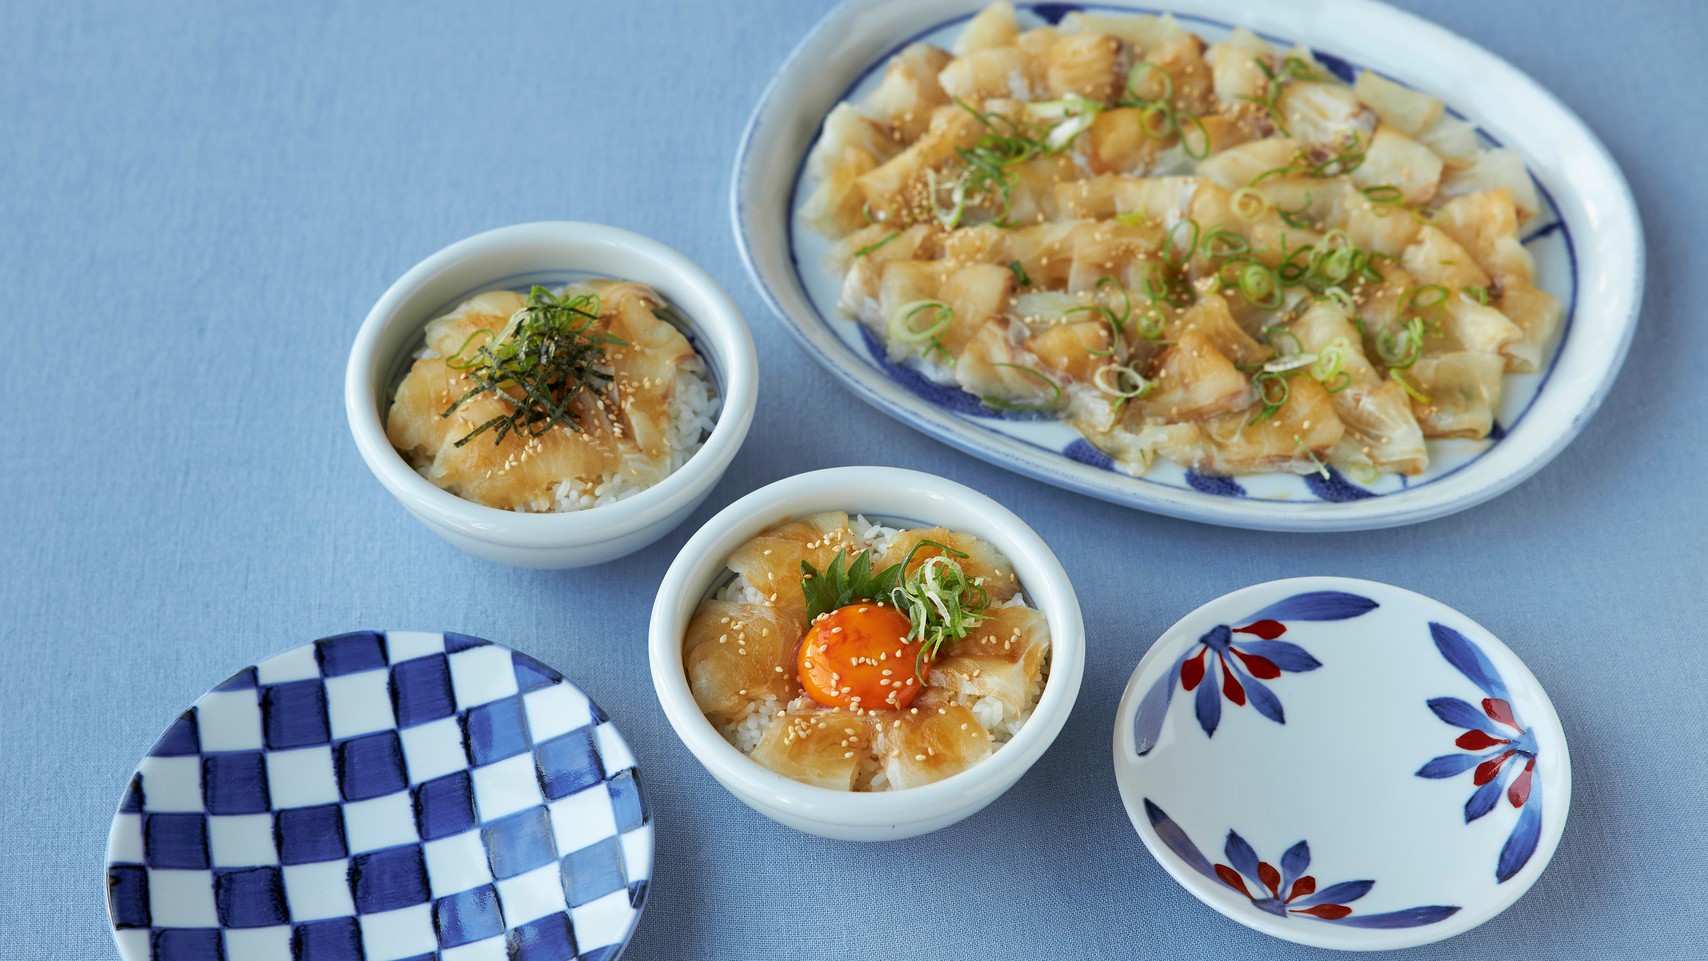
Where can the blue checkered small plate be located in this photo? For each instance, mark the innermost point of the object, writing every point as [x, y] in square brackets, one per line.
[395, 796]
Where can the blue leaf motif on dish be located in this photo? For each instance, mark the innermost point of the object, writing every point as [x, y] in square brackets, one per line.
[1287, 892]
[1495, 743]
[1085, 452]
[1247, 656]
[1213, 484]
[1335, 488]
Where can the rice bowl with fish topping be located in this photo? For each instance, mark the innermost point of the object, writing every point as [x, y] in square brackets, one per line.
[553, 401]
[930, 693]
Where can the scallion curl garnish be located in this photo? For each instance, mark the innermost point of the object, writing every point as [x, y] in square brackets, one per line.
[1383, 194]
[1249, 205]
[986, 172]
[1150, 322]
[1315, 460]
[1291, 68]
[1340, 298]
[1137, 74]
[1075, 115]
[1346, 158]
[1258, 283]
[544, 358]
[1019, 272]
[1117, 323]
[1220, 242]
[1159, 118]
[1276, 330]
[1272, 394]
[938, 316]
[998, 403]
[863, 251]
[1121, 380]
[1299, 219]
[1329, 367]
[1479, 294]
[1185, 120]
[1424, 298]
[1401, 349]
[1170, 245]
[1161, 288]
[941, 602]
[1133, 218]
[1415, 393]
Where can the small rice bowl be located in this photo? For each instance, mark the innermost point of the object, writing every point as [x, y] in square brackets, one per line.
[998, 719]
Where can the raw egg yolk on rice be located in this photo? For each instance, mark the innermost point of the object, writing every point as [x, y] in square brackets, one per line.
[859, 656]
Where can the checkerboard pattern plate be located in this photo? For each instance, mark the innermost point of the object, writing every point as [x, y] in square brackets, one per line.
[394, 796]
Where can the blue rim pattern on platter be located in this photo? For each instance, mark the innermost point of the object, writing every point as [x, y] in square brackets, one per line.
[381, 797]
[1315, 735]
[1263, 501]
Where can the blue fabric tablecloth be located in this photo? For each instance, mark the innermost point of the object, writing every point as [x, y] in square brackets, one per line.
[200, 200]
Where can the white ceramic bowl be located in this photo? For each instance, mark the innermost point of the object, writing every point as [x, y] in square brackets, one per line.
[904, 497]
[550, 253]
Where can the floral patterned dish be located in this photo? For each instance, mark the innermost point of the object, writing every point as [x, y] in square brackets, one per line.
[1342, 763]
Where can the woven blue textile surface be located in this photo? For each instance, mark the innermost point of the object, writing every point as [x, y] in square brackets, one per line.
[200, 200]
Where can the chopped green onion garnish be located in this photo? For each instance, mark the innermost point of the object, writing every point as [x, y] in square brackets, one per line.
[1142, 72]
[1383, 194]
[1416, 394]
[1170, 245]
[1272, 393]
[904, 328]
[863, 251]
[1000, 404]
[1222, 242]
[1249, 205]
[1321, 467]
[1185, 121]
[1119, 380]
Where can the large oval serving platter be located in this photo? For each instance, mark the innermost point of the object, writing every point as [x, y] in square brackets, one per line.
[1587, 242]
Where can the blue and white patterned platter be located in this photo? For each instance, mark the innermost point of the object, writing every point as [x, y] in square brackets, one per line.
[382, 797]
[1587, 242]
[1342, 763]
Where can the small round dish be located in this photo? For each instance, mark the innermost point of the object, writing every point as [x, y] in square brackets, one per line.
[1342, 763]
[905, 498]
[550, 253]
[378, 797]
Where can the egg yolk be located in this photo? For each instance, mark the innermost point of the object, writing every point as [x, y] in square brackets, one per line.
[859, 656]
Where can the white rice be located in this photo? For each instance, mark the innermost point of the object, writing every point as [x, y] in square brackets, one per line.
[1000, 722]
[873, 535]
[693, 414]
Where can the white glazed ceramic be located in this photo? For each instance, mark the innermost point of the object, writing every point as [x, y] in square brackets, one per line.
[1346, 750]
[550, 253]
[1587, 242]
[906, 498]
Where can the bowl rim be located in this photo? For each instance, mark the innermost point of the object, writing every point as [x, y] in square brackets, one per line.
[702, 558]
[1542, 713]
[726, 339]
[1605, 332]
